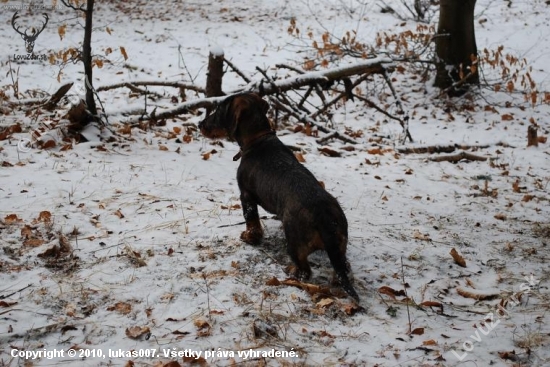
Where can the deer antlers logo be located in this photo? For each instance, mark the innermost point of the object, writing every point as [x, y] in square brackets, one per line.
[29, 38]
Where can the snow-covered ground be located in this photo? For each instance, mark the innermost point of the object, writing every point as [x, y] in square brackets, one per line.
[133, 245]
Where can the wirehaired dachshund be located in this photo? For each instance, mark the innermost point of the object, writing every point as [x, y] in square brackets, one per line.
[269, 175]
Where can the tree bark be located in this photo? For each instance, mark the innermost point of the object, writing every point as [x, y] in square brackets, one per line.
[214, 75]
[87, 60]
[455, 47]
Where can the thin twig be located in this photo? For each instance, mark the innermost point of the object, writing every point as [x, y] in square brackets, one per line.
[406, 295]
[17, 291]
[405, 121]
[237, 70]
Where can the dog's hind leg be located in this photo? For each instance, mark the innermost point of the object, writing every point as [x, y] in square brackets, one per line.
[299, 245]
[254, 231]
[335, 247]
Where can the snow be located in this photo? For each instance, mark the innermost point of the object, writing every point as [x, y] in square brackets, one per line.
[153, 227]
[216, 51]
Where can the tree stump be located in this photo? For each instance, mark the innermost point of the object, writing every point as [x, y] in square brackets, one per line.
[532, 139]
[214, 75]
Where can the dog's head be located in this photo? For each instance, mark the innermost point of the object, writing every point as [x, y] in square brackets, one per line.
[238, 117]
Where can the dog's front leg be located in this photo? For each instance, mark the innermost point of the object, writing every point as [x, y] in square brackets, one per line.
[254, 232]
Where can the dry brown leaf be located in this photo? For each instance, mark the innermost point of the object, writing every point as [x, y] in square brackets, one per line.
[329, 152]
[231, 207]
[501, 216]
[325, 302]
[458, 258]
[122, 308]
[176, 364]
[391, 292]
[136, 332]
[477, 296]
[12, 218]
[312, 289]
[125, 129]
[417, 235]
[432, 304]
[164, 148]
[508, 355]
[526, 198]
[44, 216]
[26, 232]
[53, 251]
[123, 52]
[351, 309]
[273, 282]
[119, 214]
[201, 324]
[7, 304]
[49, 144]
[206, 156]
[299, 157]
[429, 342]
[33, 242]
[515, 186]
[61, 31]
[418, 331]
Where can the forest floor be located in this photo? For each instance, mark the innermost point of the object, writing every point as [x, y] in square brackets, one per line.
[109, 248]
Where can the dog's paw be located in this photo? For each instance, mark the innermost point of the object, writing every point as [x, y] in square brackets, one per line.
[252, 236]
[297, 273]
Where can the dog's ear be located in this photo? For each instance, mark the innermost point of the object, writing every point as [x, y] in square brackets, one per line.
[264, 105]
[239, 106]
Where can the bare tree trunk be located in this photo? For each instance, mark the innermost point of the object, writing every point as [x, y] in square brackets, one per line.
[215, 73]
[87, 59]
[455, 46]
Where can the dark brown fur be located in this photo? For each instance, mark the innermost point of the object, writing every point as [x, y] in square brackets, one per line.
[269, 175]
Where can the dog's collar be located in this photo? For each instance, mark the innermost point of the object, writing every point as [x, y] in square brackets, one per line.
[260, 135]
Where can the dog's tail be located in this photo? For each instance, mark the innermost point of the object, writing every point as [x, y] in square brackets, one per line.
[336, 254]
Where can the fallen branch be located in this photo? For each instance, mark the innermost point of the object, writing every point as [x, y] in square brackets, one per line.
[138, 90]
[455, 158]
[377, 65]
[447, 148]
[152, 83]
[335, 135]
[181, 109]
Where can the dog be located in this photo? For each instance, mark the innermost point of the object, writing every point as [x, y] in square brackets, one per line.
[269, 175]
